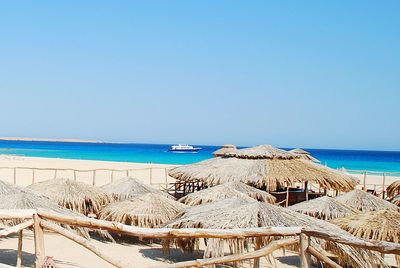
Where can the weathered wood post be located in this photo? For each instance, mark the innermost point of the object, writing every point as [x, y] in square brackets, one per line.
[15, 175]
[39, 242]
[151, 175]
[365, 181]
[287, 195]
[383, 184]
[55, 174]
[94, 178]
[256, 263]
[33, 176]
[305, 257]
[166, 178]
[19, 254]
[74, 175]
[112, 176]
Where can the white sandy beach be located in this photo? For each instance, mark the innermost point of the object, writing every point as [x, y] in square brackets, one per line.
[69, 254]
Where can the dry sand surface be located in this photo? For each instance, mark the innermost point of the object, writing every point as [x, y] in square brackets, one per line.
[69, 254]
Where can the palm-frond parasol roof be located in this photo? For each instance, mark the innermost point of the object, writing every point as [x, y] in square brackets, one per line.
[224, 191]
[396, 200]
[147, 210]
[393, 189]
[129, 187]
[364, 201]
[74, 195]
[304, 155]
[263, 166]
[7, 188]
[380, 225]
[239, 213]
[324, 208]
[226, 148]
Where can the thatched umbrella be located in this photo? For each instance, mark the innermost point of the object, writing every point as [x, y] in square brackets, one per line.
[364, 201]
[396, 200]
[147, 210]
[263, 166]
[304, 155]
[239, 213]
[128, 187]
[226, 148]
[393, 189]
[324, 208]
[224, 191]
[380, 225]
[74, 195]
[7, 188]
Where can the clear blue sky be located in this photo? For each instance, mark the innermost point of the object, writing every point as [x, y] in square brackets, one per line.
[316, 74]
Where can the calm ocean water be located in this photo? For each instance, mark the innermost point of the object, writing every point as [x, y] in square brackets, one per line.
[157, 153]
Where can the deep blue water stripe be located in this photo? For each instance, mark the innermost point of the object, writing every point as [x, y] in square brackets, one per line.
[157, 153]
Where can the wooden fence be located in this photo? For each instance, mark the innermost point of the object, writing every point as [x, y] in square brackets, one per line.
[41, 219]
[157, 176]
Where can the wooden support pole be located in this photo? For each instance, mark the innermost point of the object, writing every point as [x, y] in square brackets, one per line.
[94, 178]
[33, 176]
[256, 263]
[321, 255]
[287, 195]
[83, 242]
[16, 228]
[151, 176]
[271, 247]
[112, 176]
[55, 174]
[383, 185]
[166, 178]
[19, 254]
[306, 189]
[365, 181]
[167, 232]
[305, 257]
[40, 254]
[15, 175]
[127, 173]
[74, 175]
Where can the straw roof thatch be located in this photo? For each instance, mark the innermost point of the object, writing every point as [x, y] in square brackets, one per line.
[7, 188]
[226, 148]
[324, 208]
[147, 210]
[364, 201]
[128, 187]
[396, 200]
[263, 166]
[304, 155]
[74, 195]
[238, 213]
[393, 189]
[380, 225]
[224, 191]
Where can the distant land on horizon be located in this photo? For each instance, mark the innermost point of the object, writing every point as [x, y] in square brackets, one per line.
[125, 142]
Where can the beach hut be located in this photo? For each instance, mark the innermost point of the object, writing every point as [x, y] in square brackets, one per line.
[239, 213]
[380, 225]
[263, 166]
[226, 148]
[128, 187]
[74, 195]
[304, 155]
[147, 210]
[393, 189]
[324, 208]
[227, 190]
[364, 201]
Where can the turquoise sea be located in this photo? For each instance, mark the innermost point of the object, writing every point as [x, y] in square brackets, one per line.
[384, 161]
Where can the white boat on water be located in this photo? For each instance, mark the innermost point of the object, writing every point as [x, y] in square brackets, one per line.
[182, 148]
